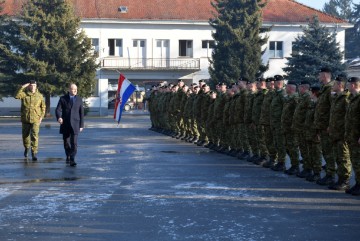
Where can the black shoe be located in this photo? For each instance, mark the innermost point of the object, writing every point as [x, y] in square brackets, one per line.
[313, 177]
[67, 160]
[304, 173]
[26, 152]
[34, 157]
[340, 185]
[279, 167]
[208, 145]
[260, 161]
[292, 170]
[269, 164]
[72, 162]
[353, 188]
[326, 181]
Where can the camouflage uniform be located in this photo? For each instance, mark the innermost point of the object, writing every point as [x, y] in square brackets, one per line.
[336, 133]
[298, 125]
[276, 108]
[256, 114]
[321, 122]
[289, 106]
[205, 103]
[312, 141]
[265, 122]
[243, 144]
[234, 122]
[250, 127]
[32, 110]
[218, 114]
[352, 133]
[210, 122]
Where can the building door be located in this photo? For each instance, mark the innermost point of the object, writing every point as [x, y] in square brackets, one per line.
[139, 53]
[162, 53]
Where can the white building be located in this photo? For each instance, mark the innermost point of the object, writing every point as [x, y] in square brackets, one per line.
[152, 41]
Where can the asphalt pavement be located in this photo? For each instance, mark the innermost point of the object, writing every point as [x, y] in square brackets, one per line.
[136, 184]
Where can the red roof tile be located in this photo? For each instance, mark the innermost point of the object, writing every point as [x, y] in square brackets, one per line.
[276, 11]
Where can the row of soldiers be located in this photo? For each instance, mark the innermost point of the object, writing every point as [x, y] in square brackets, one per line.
[265, 120]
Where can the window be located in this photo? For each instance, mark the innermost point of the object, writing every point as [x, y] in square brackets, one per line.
[115, 47]
[95, 88]
[185, 48]
[208, 44]
[95, 45]
[139, 43]
[276, 49]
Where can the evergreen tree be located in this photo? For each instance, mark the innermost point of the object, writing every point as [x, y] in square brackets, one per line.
[353, 35]
[339, 8]
[316, 48]
[237, 53]
[48, 45]
[3, 86]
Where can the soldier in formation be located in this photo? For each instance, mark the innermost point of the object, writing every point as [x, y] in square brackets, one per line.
[264, 121]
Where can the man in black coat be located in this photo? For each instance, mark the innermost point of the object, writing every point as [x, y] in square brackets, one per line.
[70, 115]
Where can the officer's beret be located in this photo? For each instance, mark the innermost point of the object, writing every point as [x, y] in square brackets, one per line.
[32, 82]
[213, 92]
[304, 82]
[204, 85]
[340, 78]
[180, 80]
[291, 82]
[278, 77]
[261, 79]
[222, 84]
[325, 69]
[314, 88]
[269, 79]
[354, 79]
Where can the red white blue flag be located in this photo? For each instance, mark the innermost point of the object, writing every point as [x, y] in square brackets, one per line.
[124, 91]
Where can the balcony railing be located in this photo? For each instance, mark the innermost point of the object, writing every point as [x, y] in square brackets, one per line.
[150, 64]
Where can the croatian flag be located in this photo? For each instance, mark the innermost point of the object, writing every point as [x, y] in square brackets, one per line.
[124, 91]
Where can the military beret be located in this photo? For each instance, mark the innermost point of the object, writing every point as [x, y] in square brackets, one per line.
[291, 82]
[325, 69]
[213, 92]
[180, 80]
[353, 80]
[267, 80]
[304, 82]
[278, 77]
[249, 82]
[340, 78]
[200, 81]
[314, 88]
[222, 84]
[204, 85]
[261, 79]
[193, 84]
[32, 82]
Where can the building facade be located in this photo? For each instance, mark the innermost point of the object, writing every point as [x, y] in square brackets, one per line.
[150, 43]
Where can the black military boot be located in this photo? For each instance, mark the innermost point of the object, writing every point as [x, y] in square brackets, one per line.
[326, 181]
[341, 185]
[293, 170]
[304, 173]
[34, 157]
[279, 167]
[72, 162]
[67, 159]
[26, 152]
[353, 188]
[269, 164]
[261, 161]
[313, 177]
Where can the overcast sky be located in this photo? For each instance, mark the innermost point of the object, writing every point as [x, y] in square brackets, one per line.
[318, 4]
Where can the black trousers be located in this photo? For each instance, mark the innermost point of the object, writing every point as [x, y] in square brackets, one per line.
[70, 144]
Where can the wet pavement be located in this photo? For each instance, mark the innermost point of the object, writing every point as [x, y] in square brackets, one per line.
[135, 184]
